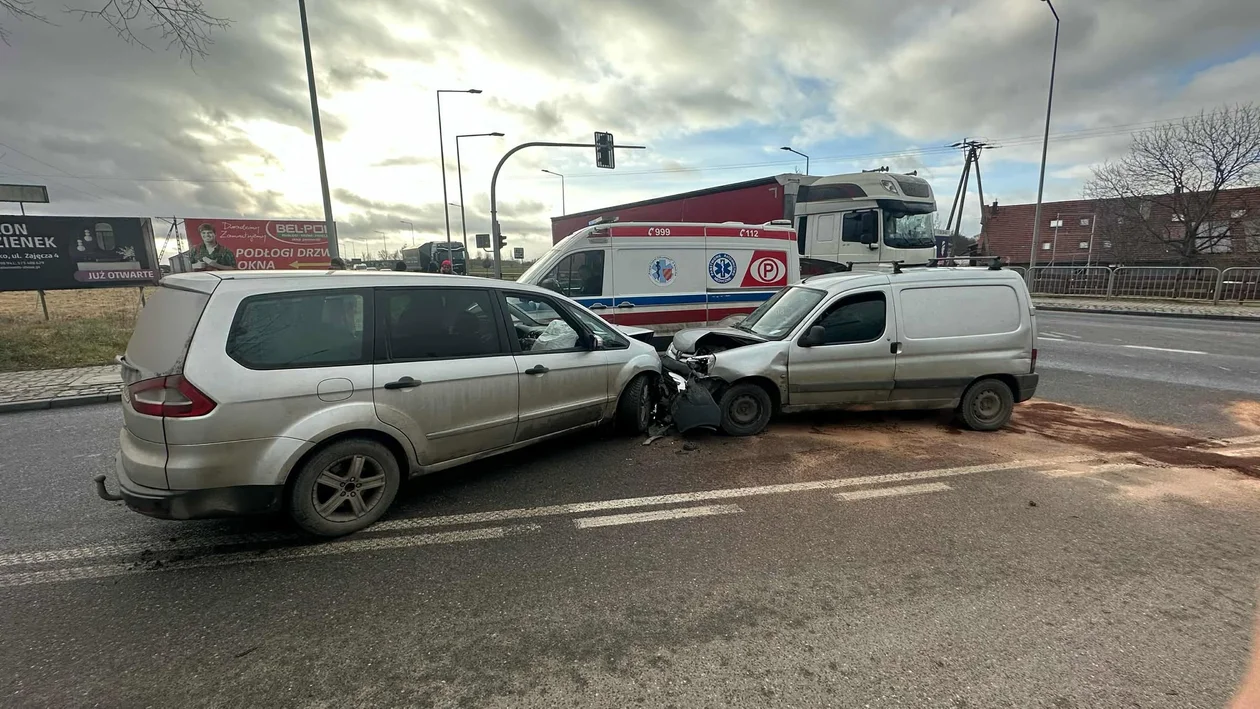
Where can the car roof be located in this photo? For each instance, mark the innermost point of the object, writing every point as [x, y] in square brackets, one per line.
[271, 281]
[858, 277]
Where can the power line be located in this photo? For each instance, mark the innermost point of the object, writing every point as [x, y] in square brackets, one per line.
[139, 179]
[66, 172]
[24, 173]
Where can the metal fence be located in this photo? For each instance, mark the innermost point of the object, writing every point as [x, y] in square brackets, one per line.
[1239, 285]
[1069, 280]
[1195, 283]
[1174, 282]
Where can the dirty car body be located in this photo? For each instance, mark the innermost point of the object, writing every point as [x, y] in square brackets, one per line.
[912, 339]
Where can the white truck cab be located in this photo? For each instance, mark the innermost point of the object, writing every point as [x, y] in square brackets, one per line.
[866, 217]
[670, 276]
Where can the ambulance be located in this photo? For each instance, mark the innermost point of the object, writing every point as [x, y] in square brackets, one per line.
[670, 276]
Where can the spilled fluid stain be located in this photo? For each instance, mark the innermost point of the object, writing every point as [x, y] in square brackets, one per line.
[1075, 426]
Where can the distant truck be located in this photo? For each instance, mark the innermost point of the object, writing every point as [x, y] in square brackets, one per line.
[428, 257]
[839, 219]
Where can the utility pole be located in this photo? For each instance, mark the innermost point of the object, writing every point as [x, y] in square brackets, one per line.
[1045, 145]
[329, 225]
[971, 156]
[442, 150]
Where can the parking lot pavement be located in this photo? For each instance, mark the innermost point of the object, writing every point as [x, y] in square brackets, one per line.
[840, 560]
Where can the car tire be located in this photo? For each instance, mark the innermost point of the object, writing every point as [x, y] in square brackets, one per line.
[634, 408]
[746, 409]
[987, 405]
[343, 472]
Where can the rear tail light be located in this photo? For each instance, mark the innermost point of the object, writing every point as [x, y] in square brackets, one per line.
[1034, 362]
[171, 397]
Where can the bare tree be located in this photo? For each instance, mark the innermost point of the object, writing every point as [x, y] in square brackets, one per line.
[1166, 191]
[184, 25]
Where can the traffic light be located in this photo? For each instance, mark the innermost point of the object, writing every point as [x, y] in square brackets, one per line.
[604, 150]
[502, 242]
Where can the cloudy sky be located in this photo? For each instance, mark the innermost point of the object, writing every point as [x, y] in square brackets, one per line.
[713, 87]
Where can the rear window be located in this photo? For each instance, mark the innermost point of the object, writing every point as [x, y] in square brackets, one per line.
[959, 311]
[301, 329]
[164, 328]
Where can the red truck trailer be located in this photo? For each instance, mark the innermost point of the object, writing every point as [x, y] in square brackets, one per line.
[751, 202]
[839, 219]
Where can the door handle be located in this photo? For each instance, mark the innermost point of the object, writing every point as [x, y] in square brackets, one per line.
[537, 369]
[894, 348]
[625, 304]
[403, 383]
[599, 306]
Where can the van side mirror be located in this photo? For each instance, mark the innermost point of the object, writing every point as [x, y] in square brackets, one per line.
[596, 343]
[814, 337]
[870, 228]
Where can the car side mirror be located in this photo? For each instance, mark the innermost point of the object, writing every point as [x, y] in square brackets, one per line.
[815, 336]
[596, 343]
[870, 228]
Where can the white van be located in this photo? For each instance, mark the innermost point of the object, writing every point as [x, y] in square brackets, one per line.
[670, 276]
[923, 338]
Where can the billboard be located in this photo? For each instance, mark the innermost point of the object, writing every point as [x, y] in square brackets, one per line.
[257, 244]
[49, 253]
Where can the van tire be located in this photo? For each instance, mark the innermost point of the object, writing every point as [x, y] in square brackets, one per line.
[354, 462]
[746, 409]
[634, 408]
[987, 405]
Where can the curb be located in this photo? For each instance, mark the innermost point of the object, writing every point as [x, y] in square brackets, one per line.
[58, 402]
[1149, 313]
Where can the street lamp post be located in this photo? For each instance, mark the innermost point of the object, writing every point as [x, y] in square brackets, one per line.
[442, 148]
[494, 181]
[413, 230]
[1045, 144]
[329, 225]
[790, 150]
[384, 246]
[563, 210]
[459, 170]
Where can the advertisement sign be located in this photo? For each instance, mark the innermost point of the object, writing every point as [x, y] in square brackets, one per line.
[49, 253]
[256, 244]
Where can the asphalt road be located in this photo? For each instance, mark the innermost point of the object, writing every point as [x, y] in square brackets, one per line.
[1197, 374]
[840, 560]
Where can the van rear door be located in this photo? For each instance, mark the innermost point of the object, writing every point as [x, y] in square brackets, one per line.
[159, 344]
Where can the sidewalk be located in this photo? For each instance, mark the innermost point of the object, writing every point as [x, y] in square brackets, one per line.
[53, 388]
[1224, 311]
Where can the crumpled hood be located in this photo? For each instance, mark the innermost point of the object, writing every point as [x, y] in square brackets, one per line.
[685, 341]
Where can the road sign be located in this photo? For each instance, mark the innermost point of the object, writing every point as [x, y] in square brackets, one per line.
[483, 241]
[24, 193]
[518, 252]
[604, 150]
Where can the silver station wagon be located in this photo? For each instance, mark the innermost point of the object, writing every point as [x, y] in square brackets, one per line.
[318, 393]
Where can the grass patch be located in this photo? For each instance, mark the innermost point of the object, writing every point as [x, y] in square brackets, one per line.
[85, 327]
[66, 343]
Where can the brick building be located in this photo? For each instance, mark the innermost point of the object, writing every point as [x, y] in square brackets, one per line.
[1080, 232]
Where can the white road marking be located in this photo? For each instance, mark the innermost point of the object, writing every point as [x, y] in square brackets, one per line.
[1163, 349]
[107, 550]
[1092, 470]
[892, 491]
[656, 516]
[1252, 452]
[1064, 334]
[283, 554]
[725, 494]
[1052, 339]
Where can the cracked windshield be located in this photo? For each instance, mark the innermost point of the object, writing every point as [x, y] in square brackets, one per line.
[543, 353]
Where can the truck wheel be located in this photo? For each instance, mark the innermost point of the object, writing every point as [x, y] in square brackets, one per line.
[634, 408]
[987, 405]
[746, 410]
[344, 488]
